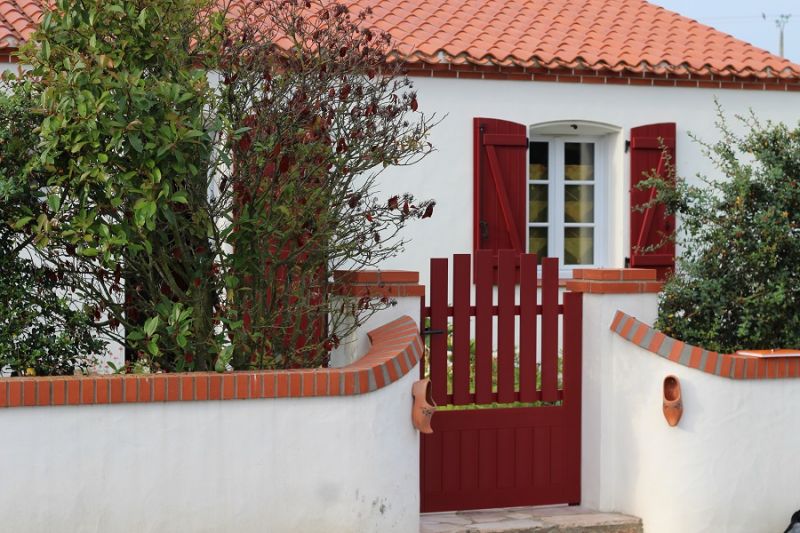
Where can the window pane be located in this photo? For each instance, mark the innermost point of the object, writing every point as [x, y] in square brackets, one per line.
[537, 242]
[538, 160]
[579, 203]
[579, 161]
[578, 246]
[537, 203]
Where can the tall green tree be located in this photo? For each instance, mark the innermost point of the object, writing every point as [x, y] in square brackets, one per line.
[208, 165]
[125, 143]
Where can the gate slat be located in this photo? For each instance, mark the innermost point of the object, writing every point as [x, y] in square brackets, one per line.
[550, 329]
[483, 326]
[438, 341]
[461, 330]
[505, 325]
[527, 327]
[573, 362]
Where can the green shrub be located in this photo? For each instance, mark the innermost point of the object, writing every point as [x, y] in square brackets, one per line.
[737, 284]
[40, 327]
[206, 213]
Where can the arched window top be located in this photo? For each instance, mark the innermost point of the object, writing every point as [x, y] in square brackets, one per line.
[572, 127]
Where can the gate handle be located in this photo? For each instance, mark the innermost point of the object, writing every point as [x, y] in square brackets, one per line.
[432, 332]
[484, 229]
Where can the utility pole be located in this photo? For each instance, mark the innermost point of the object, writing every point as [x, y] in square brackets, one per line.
[780, 23]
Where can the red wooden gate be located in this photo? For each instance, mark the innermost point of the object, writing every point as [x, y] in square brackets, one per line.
[508, 429]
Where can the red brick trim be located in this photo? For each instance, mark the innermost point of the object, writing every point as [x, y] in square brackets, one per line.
[614, 281]
[599, 77]
[396, 349]
[377, 283]
[732, 366]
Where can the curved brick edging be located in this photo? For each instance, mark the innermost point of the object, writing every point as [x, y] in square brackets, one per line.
[396, 349]
[731, 366]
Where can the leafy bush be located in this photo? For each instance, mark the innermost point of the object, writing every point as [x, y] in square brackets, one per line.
[737, 284]
[206, 165]
[41, 328]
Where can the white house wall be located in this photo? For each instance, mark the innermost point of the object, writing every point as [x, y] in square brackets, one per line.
[447, 174]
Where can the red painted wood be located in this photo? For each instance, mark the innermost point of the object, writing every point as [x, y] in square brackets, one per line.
[484, 457]
[423, 316]
[499, 170]
[550, 329]
[462, 287]
[483, 327]
[438, 322]
[506, 444]
[653, 226]
[497, 174]
[451, 462]
[527, 327]
[469, 459]
[489, 476]
[506, 285]
[573, 361]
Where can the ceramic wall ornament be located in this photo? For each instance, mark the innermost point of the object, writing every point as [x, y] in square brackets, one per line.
[424, 406]
[673, 402]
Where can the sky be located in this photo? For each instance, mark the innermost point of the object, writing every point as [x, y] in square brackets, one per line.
[742, 19]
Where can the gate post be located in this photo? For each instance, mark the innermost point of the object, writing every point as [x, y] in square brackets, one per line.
[605, 291]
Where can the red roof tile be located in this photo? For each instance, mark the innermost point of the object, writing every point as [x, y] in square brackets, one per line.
[620, 35]
[18, 19]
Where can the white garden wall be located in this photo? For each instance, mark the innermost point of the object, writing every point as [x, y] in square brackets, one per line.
[286, 464]
[731, 463]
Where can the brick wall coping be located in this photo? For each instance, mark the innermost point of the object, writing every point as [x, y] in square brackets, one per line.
[599, 77]
[396, 349]
[377, 283]
[732, 366]
[614, 281]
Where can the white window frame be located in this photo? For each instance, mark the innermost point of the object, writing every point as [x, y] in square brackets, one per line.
[556, 197]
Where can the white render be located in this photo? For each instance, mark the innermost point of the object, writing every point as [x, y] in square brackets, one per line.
[355, 345]
[730, 464]
[447, 174]
[296, 464]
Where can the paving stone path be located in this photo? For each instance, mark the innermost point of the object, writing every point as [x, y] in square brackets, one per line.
[557, 519]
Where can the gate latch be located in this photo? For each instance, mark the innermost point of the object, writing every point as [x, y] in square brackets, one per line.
[432, 332]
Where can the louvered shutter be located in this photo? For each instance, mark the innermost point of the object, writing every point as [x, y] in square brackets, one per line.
[652, 226]
[499, 213]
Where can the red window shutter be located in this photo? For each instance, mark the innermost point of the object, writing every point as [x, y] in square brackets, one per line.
[650, 227]
[500, 154]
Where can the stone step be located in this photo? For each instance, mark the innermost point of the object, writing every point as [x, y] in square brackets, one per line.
[555, 519]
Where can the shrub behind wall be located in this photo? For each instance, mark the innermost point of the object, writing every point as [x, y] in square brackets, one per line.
[737, 284]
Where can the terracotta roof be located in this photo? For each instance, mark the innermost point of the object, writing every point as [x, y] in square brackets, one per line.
[620, 35]
[18, 19]
[630, 35]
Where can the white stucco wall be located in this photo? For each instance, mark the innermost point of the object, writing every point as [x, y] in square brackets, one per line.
[597, 409]
[287, 465]
[357, 343]
[729, 466]
[446, 175]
